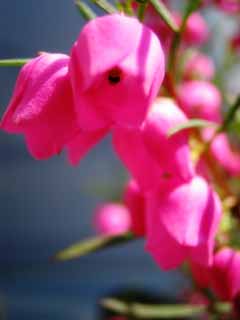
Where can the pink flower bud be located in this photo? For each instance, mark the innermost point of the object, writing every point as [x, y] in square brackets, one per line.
[41, 107]
[200, 99]
[135, 202]
[149, 153]
[196, 32]
[182, 223]
[199, 66]
[117, 66]
[112, 219]
[223, 152]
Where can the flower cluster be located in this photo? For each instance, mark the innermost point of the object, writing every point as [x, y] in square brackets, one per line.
[116, 80]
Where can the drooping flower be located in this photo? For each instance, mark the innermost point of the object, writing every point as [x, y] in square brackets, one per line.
[41, 107]
[182, 223]
[151, 156]
[112, 219]
[200, 99]
[117, 66]
[223, 277]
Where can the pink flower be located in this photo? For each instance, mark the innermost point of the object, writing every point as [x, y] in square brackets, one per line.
[223, 152]
[199, 66]
[135, 201]
[117, 66]
[112, 219]
[196, 32]
[182, 223]
[223, 277]
[200, 99]
[41, 107]
[229, 6]
[149, 153]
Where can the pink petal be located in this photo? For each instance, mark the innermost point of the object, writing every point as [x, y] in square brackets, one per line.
[129, 146]
[172, 153]
[42, 106]
[135, 202]
[81, 143]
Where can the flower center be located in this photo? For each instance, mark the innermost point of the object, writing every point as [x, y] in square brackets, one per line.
[114, 76]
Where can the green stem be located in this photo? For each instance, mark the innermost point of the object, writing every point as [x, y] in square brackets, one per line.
[105, 6]
[86, 12]
[192, 6]
[92, 245]
[165, 14]
[13, 62]
[141, 10]
[230, 115]
[145, 311]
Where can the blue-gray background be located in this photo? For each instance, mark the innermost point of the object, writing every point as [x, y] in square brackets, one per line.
[48, 205]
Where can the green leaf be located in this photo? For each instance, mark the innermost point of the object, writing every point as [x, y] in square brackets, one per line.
[161, 311]
[91, 245]
[13, 62]
[105, 6]
[230, 115]
[86, 12]
[165, 14]
[193, 123]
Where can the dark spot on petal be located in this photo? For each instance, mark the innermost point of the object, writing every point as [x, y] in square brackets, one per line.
[114, 76]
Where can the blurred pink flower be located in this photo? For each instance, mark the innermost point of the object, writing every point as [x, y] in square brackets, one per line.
[41, 107]
[182, 223]
[235, 42]
[117, 66]
[151, 156]
[199, 66]
[223, 277]
[200, 99]
[112, 219]
[196, 31]
[229, 6]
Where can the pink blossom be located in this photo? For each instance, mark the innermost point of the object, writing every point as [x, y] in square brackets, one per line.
[199, 66]
[182, 223]
[41, 107]
[135, 201]
[223, 277]
[112, 219]
[200, 99]
[149, 153]
[117, 66]
[82, 142]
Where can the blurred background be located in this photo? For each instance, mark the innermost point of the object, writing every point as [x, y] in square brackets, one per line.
[48, 205]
